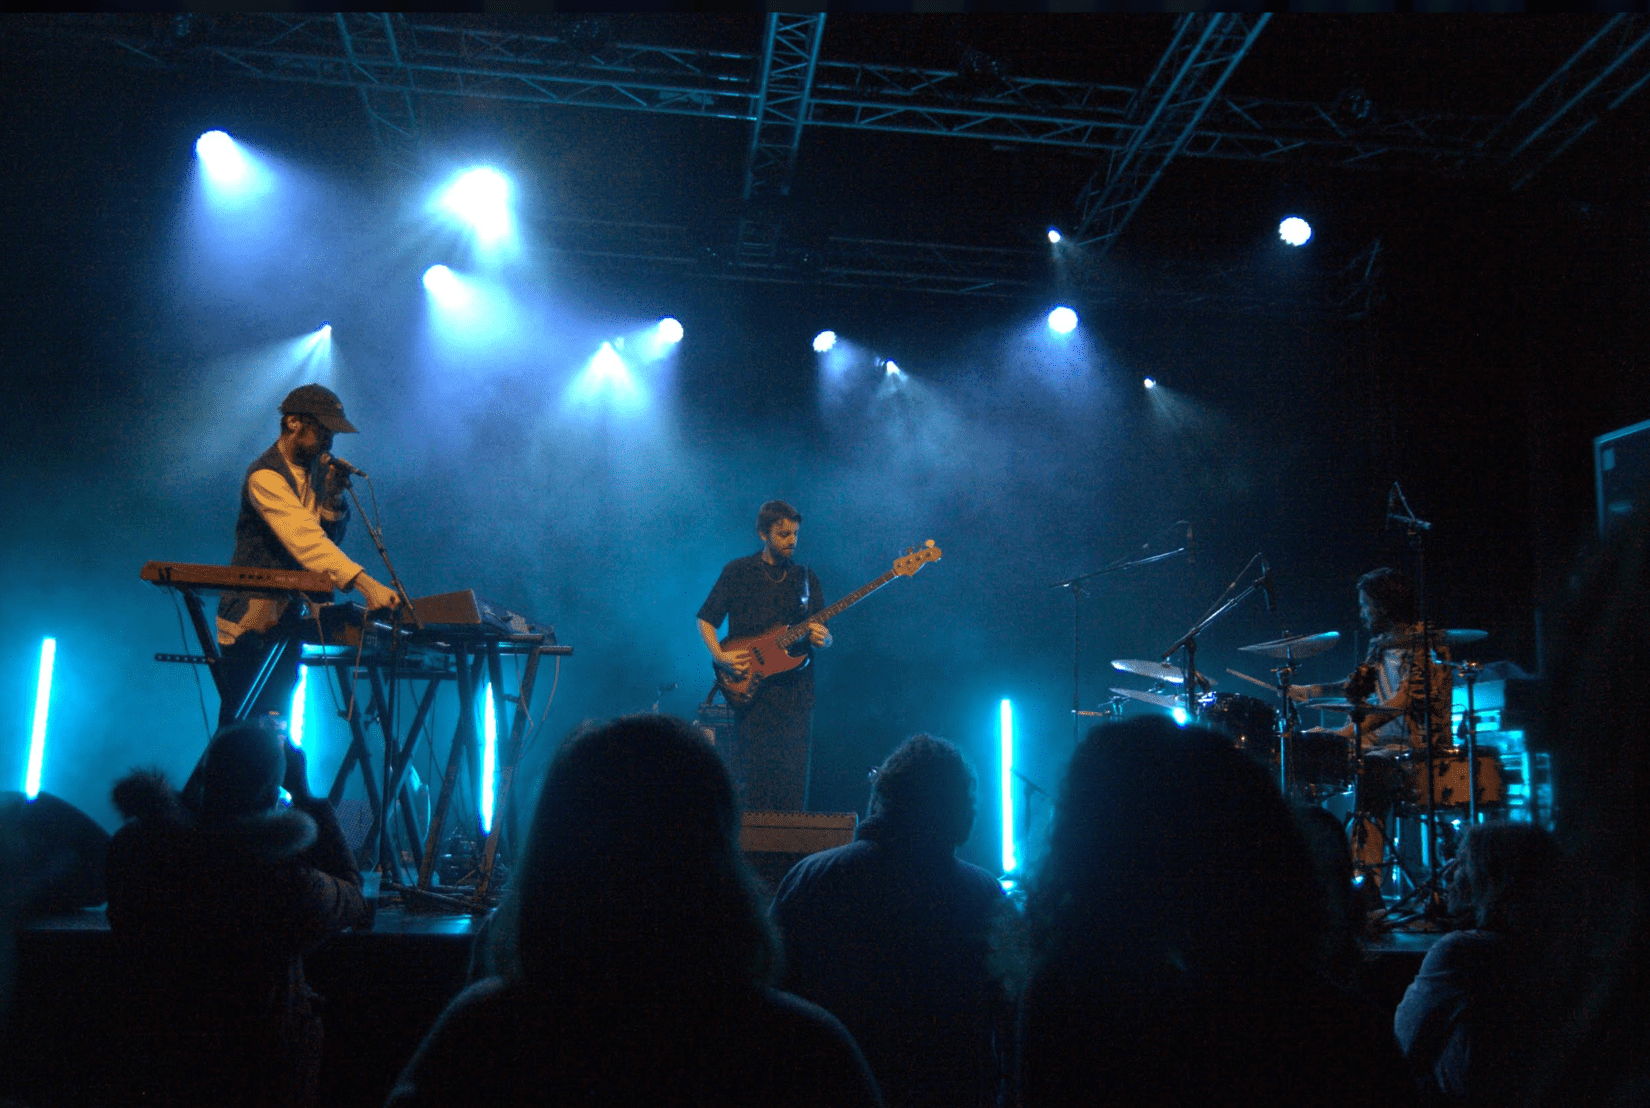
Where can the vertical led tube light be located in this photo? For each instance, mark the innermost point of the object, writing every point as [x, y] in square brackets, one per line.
[489, 754]
[42, 705]
[1005, 725]
[295, 715]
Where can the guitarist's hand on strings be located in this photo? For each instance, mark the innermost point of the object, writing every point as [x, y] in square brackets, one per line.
[818, 634]
[736, 662]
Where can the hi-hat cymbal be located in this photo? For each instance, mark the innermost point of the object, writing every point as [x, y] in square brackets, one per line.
[1157, 671]
[1295, 646]
[1334, 704]
[1161, 700]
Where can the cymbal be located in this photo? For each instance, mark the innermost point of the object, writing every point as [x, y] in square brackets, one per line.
[1157, 671]
[1440, 637]
[1492, 671]
[1295, 646]
[1161, 700]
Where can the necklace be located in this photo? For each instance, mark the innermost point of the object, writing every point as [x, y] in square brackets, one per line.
[768, 573]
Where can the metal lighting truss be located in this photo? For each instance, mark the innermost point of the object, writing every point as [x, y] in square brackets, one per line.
[790, 51]
[1183, 110]
[1201, 57]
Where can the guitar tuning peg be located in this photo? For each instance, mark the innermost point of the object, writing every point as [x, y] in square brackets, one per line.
[930, 542]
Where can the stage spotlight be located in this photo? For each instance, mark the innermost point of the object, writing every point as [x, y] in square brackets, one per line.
[42, 706]
[1180, 716]
[670, 331]
[442, 283]
[326, 330]
[481, 199]
[824, 341]
[222, 158]
[1054, 237]
[1062, 320]
[1150, 383]
[295, 713]
[1295, 231]
[890, 368]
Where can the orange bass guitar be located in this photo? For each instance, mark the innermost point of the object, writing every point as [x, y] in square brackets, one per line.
[772, 651]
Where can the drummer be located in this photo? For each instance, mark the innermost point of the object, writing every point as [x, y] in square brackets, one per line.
[1400, 671]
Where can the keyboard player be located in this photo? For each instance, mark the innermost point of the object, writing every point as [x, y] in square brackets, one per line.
[292, 516]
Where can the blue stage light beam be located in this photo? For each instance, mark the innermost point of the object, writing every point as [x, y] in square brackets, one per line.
[222, 159]
[1062, 320]
[1005, 736]
[489, 758]
[42, 705]
[606, 382]
[295, 713]
[824, 341]
[480, 199]
[890, 369]
[1150, 382]
[1180, 716]
[1054, 236]
[1295, 231]
[670, 331]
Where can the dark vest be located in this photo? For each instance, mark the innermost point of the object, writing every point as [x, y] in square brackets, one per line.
[256, 543]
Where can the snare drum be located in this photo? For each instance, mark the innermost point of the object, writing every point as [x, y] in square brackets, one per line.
[1251, 724]
[1449, 778]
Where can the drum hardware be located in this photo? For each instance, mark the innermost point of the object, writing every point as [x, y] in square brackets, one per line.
[1295, 647]
[1075, 585]
[1437, 637]
[1158, 671]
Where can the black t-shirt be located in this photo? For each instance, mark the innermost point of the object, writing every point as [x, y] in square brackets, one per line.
[753, 596]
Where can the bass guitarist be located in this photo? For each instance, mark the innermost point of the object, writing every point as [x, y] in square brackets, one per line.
[774, 729]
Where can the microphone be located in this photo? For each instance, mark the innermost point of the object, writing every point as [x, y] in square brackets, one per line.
[332, 460]
[1266, 586]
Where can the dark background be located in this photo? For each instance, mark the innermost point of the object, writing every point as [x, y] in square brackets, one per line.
[141, 361]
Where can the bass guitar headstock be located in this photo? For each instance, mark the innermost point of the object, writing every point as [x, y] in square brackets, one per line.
[915, 559]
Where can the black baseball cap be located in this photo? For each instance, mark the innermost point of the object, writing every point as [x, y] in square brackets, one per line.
[320, 402]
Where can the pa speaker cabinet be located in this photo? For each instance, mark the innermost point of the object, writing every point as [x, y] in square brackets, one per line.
[773, 842]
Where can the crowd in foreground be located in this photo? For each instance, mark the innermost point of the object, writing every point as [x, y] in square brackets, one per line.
[1178, 942]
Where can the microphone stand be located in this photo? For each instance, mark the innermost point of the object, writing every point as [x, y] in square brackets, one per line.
[1075, 584]
[386, 856]
[1188, 641]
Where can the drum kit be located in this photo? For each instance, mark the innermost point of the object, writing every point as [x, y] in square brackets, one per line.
[1314, 765]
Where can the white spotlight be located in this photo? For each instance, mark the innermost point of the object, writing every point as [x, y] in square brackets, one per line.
[890, 368]
[1295, 231]
[326, 330]
[1054, 236]
[222, 158]
[670, 330]
[824, 341]
[1062, 320]
[1150, 383]
[481, 198]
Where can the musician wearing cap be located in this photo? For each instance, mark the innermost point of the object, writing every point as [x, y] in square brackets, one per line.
[292, 516]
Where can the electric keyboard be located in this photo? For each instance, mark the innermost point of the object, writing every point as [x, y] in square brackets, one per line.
[190, 575]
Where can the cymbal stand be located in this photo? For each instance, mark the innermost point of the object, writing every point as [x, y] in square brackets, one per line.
[1285, 675]
[1075, 585]
[1399, 511]
[1192, 680]
[1471, 672]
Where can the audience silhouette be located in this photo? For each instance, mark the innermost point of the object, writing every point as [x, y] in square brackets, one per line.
[891, 934]
[212, 912]
[633, 953]
[1178, 936]
[1489, 998]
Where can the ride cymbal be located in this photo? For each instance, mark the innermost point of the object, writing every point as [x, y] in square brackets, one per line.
[1156, 671]
[1160, 699]
[1295, 646]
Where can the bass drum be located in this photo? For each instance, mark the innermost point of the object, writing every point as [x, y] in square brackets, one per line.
[1251, 724]
[1449, 779]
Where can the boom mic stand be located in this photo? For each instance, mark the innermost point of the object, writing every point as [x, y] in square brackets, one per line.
[1188, 642]
[1075, 585]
